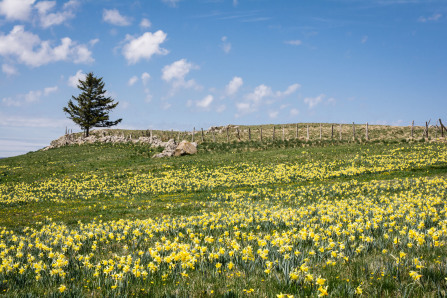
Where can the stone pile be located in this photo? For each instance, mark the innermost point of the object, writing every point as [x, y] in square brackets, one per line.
[171, 147]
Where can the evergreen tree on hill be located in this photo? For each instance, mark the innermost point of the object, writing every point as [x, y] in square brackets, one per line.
[91, 108]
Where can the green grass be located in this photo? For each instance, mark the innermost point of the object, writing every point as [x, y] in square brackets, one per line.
[124, 161]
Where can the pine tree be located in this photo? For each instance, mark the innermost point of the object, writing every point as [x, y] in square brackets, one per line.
[92, 107]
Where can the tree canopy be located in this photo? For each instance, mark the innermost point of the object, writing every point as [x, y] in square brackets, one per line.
[91, 108]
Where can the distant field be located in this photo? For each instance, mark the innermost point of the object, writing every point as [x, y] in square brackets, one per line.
[244, 219]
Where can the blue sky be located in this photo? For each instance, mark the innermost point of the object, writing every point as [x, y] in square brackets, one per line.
[179, 64]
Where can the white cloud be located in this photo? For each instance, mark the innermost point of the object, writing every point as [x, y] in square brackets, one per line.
[293, 42]
[28, 98]
[244, 107]
[226, 46]
[259, 93]
[9, 69]
[16, 9]
[144, 47]
[49, 90]
[132, 80]
[294, 112]
[73, 81]
[71, 4]
[48, 19]
[113, 16]
[234, 85]
[331, 101]
[221, 108]
[93, 42]
[364, 39]
[33, 96]
[432, 18]
[28, 49]
[166, 106]
[313, 101]
[205, 102]
[172, 3]
[290, 90]
[148, 97]
[176, 72]
[9, 102]
[145, 77]
[235, 2]
[145, 23]
[273, 114]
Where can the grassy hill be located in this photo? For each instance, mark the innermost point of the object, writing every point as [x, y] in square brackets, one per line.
[236, 220]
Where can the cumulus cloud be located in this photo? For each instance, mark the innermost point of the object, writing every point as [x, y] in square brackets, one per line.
[10, 70]
[432, 18]
[290, 90]
[49, 90]
[293, 42]
[113, 16]
[73, 81]
[144, 47]
[176, 72]
[259, 93]
[145, 77]
[226, 46]
[48, 18]
[132, 80]
[16, 9]
[205, 102]
[313, 101]
[145, 23]
[234, 85]
[28, 49]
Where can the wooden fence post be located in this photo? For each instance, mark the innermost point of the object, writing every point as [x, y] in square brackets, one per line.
[442, 128]
[228, 136]
[320, 131]
[367, 137]
[273, 136]
[296, 132]
[238, 135]
[202, 135]
[193, 133]
[249, 134]
[307, 131]
[426, 129]
[340, 131]
[412, 128]
[332, 131]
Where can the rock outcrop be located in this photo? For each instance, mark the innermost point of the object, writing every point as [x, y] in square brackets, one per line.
[185, 148]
